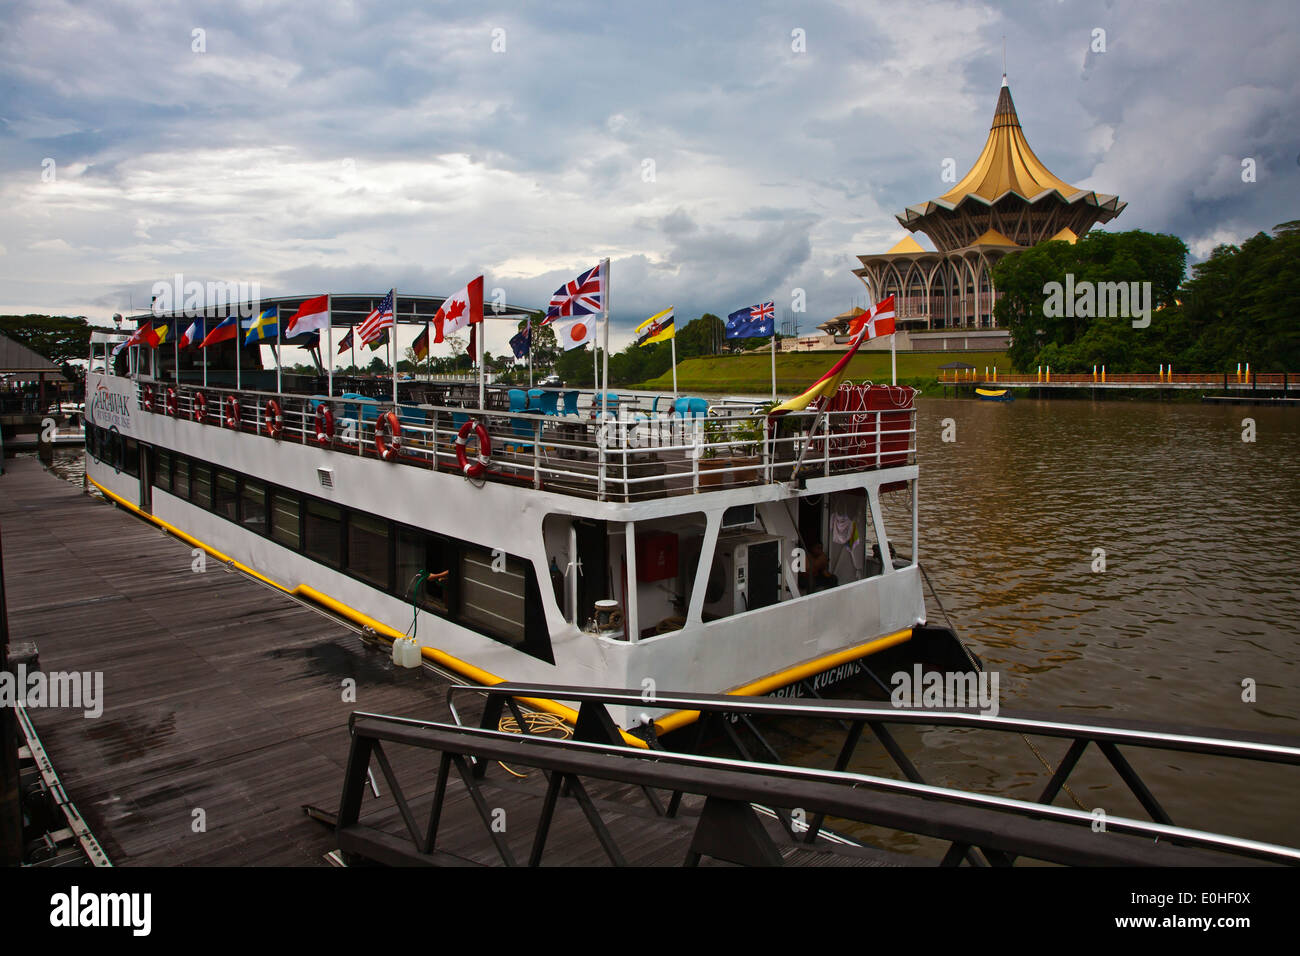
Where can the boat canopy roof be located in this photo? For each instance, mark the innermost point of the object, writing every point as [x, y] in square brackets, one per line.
[346, 309]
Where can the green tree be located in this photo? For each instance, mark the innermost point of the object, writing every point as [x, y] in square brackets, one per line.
[59, 338]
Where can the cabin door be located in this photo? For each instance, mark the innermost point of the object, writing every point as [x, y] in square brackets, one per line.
[593, 582]
[147, 466]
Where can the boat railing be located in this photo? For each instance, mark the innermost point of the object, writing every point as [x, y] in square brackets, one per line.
[625, 451]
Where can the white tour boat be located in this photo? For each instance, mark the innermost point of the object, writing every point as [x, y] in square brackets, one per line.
[544, 537]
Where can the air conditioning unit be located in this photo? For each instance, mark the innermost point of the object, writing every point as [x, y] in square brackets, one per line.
[746, 575]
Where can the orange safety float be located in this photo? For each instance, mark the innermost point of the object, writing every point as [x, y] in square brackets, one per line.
[199, 407]
[388, 436]
[146, 398]
[324, 424]
[477, 468]
[231, 405]
[274, 418]
[172, 405]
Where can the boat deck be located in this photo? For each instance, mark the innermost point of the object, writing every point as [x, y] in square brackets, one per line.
[224, 696]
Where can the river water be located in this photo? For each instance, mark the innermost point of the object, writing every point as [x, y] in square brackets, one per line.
[1200, 593]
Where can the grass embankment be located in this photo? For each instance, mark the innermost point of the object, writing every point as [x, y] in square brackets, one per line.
[795, 371]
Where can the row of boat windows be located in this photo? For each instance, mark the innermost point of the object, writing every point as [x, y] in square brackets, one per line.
[493, 593]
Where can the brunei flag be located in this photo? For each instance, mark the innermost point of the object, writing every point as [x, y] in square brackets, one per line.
[879, 321]
[658, 328]
[265, 327]
[421, 345]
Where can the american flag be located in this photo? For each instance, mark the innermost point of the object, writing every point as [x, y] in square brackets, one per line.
[379, 319]
[585, 295]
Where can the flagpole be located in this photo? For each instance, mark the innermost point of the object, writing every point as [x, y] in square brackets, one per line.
[329, 344]
[204, 343]
[774, 353]
[393, 343]
[239, 347]
[279, 389]
[482, 402]
[176, 349]
[604, 392]
[530, 351]
[673, 343]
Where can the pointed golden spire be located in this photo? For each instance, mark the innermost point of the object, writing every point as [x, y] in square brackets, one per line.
[1007, 164]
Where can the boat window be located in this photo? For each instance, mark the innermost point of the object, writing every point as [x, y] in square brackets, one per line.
[323, 529]
[896, 514]
[131, 458]
[227, 497]
[162, 476]
[417, 552]
[252, 511]
[181, 478]
[492, 593]
[284, 518]
[368, 549]
[201, 485]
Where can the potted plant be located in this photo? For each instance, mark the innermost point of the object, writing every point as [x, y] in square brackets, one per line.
[710, 461]
[747, 442]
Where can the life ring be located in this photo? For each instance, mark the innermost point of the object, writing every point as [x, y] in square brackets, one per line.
[231, 405]
[199, 407]
[388, 436]
[324, 424]
[476, 468]
[274, 418]
[170, 402]
[146, 398]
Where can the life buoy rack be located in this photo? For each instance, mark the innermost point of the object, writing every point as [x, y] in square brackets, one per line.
[478, 467]
[231, 405]
[274, 418]
[199, 407]
[170, 403]
[324, 424]
[388, 436]
[146, 398]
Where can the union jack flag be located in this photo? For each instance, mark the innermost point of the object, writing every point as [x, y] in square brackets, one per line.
[585, 295]
[379, 319]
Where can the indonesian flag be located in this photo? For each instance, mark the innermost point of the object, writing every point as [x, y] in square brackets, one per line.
[457, 311]
[879, 321]
[575, 332]
[312, 316]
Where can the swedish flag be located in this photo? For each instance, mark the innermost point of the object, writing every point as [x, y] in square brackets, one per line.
[265, 327]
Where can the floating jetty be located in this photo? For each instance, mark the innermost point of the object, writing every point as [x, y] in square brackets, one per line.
[241, 726]
[1263, 388]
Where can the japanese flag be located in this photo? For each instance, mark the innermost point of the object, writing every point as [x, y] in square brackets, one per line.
[576, 331]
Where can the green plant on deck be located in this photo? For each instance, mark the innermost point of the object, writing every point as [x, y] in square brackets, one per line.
[747, 434]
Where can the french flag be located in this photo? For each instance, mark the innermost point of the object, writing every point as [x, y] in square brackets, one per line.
[193, 335]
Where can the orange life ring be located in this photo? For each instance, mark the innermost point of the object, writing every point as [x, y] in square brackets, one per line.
[324, 424]
[388, 436]
[199, 407]
[173, 406]
[274, 418]
[477, 468]
[146, 398]
[231, 405]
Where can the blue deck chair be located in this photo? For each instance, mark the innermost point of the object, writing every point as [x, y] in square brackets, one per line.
[547, 402]
[518, 400]
[570, 403]
[534, 399]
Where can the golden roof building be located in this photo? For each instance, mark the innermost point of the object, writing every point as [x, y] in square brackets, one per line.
[1008, 201]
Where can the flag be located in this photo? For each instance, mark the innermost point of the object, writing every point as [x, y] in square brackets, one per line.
[658, 328]
[868, 325]
[421, 345]
[312, 316]
[471, 349]
[575, 332]
[379, 342]
[159, 335]
[585, 295]
[522, 341]
[224, 331]
[265, 326]
[142, 336]
[751, 322]
[193, 335]
[379, 319]
[459, 310]
[346, 343]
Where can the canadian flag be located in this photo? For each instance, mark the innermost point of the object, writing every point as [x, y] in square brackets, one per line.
[459, 310]
[575, 332]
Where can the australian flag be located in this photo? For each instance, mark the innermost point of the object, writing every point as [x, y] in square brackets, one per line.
[522, 341]
[752, 322]
[585, 295]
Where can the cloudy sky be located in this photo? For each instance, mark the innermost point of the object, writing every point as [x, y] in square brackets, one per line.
[719, 153]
